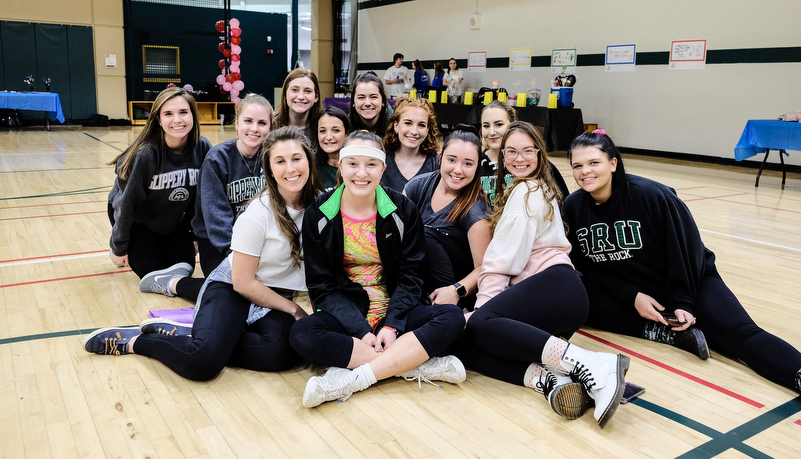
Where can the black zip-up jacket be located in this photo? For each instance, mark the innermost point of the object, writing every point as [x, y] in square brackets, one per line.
[401, 246]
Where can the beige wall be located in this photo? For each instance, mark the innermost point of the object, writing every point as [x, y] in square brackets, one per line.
[105, 18]
[322, 48]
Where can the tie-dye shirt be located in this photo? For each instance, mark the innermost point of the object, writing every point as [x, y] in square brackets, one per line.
[363, 264]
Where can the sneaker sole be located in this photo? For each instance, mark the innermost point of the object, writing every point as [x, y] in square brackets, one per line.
[623, 363]
[157, 320]
[147, 279]
[703, 350]
[569, 401]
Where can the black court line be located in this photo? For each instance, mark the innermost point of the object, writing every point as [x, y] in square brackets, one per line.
[56, 170]
[732, 439]
[99, 189]
[103, 142]
[80, 331]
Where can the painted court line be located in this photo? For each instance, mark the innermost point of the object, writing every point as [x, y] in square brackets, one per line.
[714, 197]
[65, 278]
[695, 379]
[53, 215]
[750, 240]
[54, 204]
[66, 256]
[733, 439]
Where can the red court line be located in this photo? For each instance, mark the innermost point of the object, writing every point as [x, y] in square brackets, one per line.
[675, 370]
[691, 187]
[51, 205]
[763, 207]
[715, 197]
[52, 256]
[54, 215]
[798, 422]
[65, 278]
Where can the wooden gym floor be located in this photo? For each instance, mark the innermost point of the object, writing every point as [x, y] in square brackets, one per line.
[57, 284]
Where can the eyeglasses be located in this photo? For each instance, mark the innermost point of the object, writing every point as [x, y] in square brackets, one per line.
[528, 153]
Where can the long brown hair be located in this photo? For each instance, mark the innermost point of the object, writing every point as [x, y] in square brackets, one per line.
[471, 193]
[153, 133]
[312, 188]
[511, 115]
[539, 179]
[282, 111]
[430, 145]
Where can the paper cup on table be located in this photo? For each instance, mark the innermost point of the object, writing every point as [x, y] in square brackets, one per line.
[432, 96]
[413, 94]
[468, 98]
[521, 99]
[487, 97]
[502, 96]
[443, 98]
[553, 100]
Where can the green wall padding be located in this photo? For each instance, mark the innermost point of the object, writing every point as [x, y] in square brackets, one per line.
[82, 72]
[51, 60]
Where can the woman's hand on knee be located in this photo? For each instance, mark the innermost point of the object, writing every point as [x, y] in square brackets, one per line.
[445, 295]
[385, 338]
[369, 339]
[649, 308]
[299, 312]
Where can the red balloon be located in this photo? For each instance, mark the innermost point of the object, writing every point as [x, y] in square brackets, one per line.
[235, 57]
[222, 91]
[220, 26]
[230, 78]
[221, 47]
[237, 76]
[221, 63]
[236, 31]
[236, 40]
[227, 52]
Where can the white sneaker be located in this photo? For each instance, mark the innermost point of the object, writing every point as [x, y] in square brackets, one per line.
[159, 281]
[449, 369]
[334, 385]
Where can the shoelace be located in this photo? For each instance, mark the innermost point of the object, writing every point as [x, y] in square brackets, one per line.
[336, 393]
[168, 333]
[549, 384]
[420, 378]
[111, 345]
[583, 375]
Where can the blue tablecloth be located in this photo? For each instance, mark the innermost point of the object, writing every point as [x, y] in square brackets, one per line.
[761, 135]
[42, 101]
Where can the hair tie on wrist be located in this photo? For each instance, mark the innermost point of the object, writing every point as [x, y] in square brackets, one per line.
[599, 131]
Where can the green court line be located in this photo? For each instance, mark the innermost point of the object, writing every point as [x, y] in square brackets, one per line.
[80, 331]
[104, 142]
[733, 439]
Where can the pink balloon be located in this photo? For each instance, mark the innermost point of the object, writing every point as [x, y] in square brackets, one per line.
[238, 85]
[234, 67]
[234, 92]
[220, 79]
[234, 22]
[235, 100]
[227, 86]
[236, 49]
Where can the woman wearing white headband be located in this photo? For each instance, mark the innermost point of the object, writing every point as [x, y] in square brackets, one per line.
[364, 248]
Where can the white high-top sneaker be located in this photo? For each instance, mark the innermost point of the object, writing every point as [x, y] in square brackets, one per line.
[602, 374]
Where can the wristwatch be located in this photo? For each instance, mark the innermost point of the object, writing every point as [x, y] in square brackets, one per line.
[461, 290]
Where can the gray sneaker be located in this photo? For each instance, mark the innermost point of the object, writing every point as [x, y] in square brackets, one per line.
[165, 327]
[159, 281]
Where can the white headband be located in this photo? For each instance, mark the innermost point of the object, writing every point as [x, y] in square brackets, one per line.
[362, 150]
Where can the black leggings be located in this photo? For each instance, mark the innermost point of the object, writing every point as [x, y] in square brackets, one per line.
[446, 264]
[221, 337]
[726, 325]
[149, 251]
[511, 329]
[322, 340]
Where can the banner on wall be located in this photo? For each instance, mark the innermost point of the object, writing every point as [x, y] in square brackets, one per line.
[620, 58]
[477, 61]
[563, 60]
[687, 55]
[520, 59]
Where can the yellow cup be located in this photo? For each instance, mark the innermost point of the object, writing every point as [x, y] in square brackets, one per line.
[432, 96]
[413, 94]
[502, 96]
[468, 98]
[487, 97]
[443, 99]
[552, 100]
[521, 99]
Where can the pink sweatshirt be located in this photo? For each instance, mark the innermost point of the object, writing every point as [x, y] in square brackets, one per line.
[523, 244]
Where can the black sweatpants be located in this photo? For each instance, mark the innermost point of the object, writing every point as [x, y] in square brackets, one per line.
[726, 325]
[221, 337]
[447, 263]
[321, 339]
[511, 329]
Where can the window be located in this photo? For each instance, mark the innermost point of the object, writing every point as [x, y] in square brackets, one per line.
[161, 59]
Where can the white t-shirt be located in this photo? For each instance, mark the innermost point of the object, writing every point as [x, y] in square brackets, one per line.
[392, 74]
[256, 233]
[454, 85]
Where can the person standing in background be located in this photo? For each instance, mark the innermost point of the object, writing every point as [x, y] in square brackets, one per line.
[395, 76]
